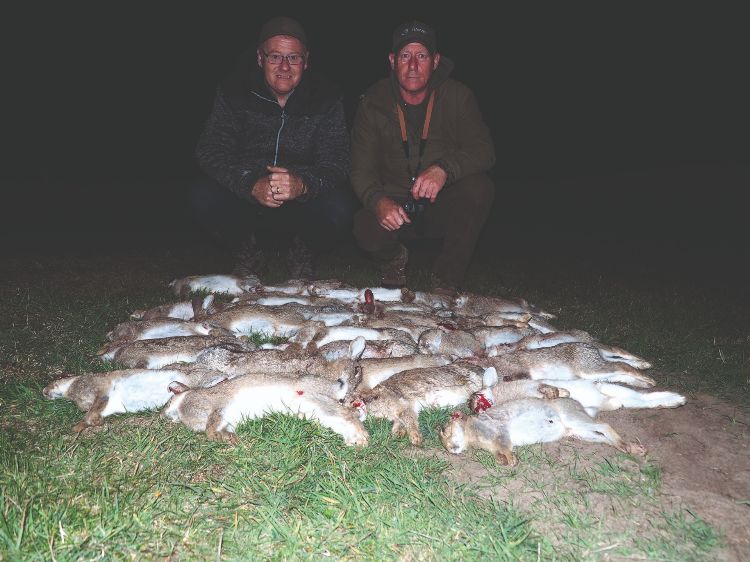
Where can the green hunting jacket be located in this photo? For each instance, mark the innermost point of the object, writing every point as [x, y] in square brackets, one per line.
[459, 141]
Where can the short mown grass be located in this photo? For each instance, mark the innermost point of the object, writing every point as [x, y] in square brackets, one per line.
[142, 488]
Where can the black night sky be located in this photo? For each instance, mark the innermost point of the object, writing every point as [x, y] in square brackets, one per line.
[616, 124]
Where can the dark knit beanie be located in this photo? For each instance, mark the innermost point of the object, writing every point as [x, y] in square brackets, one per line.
[414, 32]
[282, 25]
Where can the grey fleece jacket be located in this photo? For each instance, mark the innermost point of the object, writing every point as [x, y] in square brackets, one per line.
[248, 130]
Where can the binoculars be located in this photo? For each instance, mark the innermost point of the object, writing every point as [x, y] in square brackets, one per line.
[414, 207]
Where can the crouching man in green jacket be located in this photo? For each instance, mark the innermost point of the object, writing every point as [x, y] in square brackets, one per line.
[420, 156]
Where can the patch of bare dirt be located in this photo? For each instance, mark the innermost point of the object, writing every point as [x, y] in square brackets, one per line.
[701, 448]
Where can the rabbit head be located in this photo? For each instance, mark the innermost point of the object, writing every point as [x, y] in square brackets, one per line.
[453, 435]
[58, 388]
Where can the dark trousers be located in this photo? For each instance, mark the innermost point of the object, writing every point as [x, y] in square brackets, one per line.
[457, 216]
[321, 222]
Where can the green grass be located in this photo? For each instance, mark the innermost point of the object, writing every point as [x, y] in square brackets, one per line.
[143, 488]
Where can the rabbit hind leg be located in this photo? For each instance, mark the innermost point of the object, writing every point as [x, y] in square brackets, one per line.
[217, 429]
[502, 448]
[407, 424]
[94, 415]
[603, 433]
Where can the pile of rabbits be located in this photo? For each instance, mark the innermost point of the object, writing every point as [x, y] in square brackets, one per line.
[348, 353]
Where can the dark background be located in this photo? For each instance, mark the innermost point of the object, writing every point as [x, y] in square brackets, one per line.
[619, 127]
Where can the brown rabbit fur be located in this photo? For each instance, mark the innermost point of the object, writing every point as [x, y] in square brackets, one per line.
[401, 397]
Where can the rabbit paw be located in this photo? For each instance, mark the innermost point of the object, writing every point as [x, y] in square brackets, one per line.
[635, 448]
[359, 438]
[506, 458]
[550, 392]
[416, 438]
[398, 429]
[226, 436]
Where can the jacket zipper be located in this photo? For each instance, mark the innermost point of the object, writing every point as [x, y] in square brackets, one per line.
[278, 134]
[278, 138]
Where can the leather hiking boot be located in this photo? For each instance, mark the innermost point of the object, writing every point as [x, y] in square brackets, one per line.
[393, 271]
[300, 260]
[249, 259]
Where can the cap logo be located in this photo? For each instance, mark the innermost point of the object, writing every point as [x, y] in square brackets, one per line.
[417, 32]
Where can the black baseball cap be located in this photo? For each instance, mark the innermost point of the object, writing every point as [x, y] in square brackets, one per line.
[414, 32]
[282, 25]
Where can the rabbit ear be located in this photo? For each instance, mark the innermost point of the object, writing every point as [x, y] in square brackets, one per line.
[343, 389]
[357, 347]
[176, 387]
[490, 377]
[357, 378]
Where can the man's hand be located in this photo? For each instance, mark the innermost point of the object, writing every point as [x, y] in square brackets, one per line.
[263, 193]
[278, 187]
[429, 183]
[284, 184]
[390, 214]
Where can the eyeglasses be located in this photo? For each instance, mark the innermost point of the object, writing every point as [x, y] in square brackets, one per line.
[276, 58]
[407, 56]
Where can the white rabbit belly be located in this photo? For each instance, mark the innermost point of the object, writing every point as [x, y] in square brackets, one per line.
[552, 371]
[159, 361]
[258, 401]
[216, 284]
[534, 427]
[181, 311]
[249, 326]
[501, 337]
[143, 390]
[348, 333]
[170, 330]
[444, 397]
[386, 295]
[344, 295]
[278, 301]
[332, 318]
[585, 392]
[288, 289]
